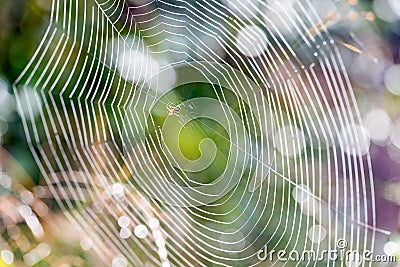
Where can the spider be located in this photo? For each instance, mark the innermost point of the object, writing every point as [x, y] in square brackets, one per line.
[176, 110]
[173, 110]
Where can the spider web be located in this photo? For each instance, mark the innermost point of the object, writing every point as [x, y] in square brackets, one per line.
[295, 173]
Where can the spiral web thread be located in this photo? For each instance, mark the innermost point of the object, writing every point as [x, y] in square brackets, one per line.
[93, 74]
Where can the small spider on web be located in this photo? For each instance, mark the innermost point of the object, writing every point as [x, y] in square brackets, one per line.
[177, 109]
[183, 111]
[173, 110]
